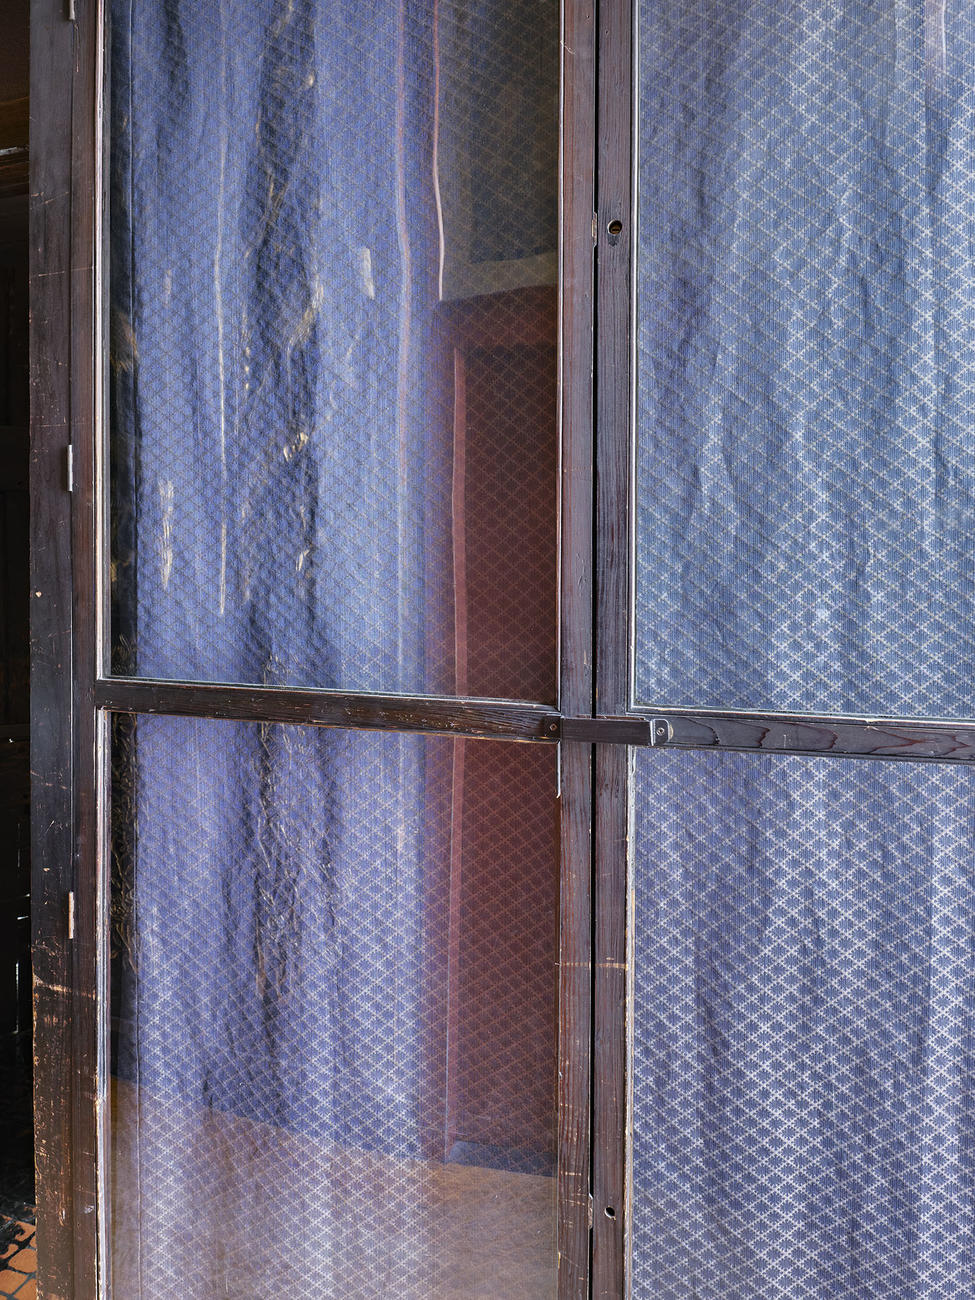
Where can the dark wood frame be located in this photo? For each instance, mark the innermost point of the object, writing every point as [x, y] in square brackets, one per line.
[65, 190]
[613, 227]
[596, 717]
[869, 738]
[576, 321]
[73, 699]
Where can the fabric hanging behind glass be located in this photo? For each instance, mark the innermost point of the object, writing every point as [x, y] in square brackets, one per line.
[806, 356]
[334, 408]
[804, 1006]
[300, 497]
[333, 1014]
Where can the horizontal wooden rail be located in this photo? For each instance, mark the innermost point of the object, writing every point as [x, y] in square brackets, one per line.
[923, 739]
[487, 719]
[931, 740]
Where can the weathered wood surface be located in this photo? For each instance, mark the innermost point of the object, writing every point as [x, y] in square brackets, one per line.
[614, 360]
[508, 720]
[928, 740]
[610, 1085]
[64, 183]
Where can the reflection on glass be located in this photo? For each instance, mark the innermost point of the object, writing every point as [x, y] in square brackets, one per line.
[333, 1015]
[804, 1003]
[806, 387]
[334, 343]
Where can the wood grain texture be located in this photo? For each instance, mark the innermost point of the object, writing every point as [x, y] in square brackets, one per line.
[52, 53]
[576, 307]
[85, 362]
[614, 231]
[926, 740]
[64, 182]
[575, 1023]
[576, 324]
[612, 965]
[501, 719]
[614, 360]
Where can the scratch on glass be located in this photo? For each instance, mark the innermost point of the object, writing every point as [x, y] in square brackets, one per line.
[935, 41]
[167, 496]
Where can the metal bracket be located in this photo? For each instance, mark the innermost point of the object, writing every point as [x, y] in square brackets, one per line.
[608, 731]
[660, 731]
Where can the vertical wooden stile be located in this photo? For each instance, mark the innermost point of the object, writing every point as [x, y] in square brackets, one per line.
[64, 184]
[576, 683]
[52, 49]
[614, 235]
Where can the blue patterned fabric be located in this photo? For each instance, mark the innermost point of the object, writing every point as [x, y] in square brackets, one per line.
[282, 514]
[298, 976]
[282, 488]
[804, 1030]
[804, 1118]
[806, 355]
[279, 517]
[280, 953]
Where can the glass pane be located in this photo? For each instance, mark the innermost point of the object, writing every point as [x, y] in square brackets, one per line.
[334, 426]
[804, 1025]
[333, 1063]
[806, 356]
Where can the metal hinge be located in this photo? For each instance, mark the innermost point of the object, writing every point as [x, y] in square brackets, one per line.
[617, 731]
[590, 1211]
[69, 467]
[71, 914]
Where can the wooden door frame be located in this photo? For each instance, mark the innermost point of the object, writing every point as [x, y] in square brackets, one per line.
[66, 184]
[72, 695]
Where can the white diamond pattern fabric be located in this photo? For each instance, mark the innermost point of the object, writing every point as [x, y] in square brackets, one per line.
[288, 1111]
[804, 1011]
[806, 355]
[283, 404]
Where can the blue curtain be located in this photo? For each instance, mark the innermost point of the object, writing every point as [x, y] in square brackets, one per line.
[281, 454]
[280, 932]
[280, 516]
[805, 963]
[282, 483]
[804, 1029]
[806, 329]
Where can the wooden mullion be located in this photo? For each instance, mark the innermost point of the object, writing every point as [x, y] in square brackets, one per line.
[577, 204]
[89, 904]
[614, 361]
[614, 381]
[611, 1198]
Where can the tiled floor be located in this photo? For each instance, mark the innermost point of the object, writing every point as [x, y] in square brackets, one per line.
[18, 1260]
